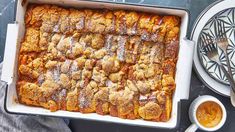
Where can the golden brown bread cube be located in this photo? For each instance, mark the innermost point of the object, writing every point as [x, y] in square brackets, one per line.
[131, 22]
[166, 114]
[111, 64]
[32, 69]
[64, 21]
[64, 81]
[99, 76]
[51, 64]
[25, 70]
[81, 61]
[171, 50]
[171, 21]
[97, 23]
[122, 103]
[65, 66]
[162, 97]
[109, 22]
[72, 100]
[158, 53]
[132, 49]
[52, 105]
[132, 86]
[144, 86]
[62, 99]
[102, 101]
[89, 64]
[76, 75]
[50, 20]
[30, 93]
[150, 111]
[44, 40]
[86, 39]
[25, 59]
[86, 98]
[168, 83]
[77, 20]
[31, 40]
[88, 15]
[159, 30]
[157, 23]
[155, 106]
[77, 49]
[168, 67]
[64, 44]
[34, 15]
[99, 54]
[97, 41]
[172, 35]
[49, 87]
[145, 26]
[146, 47]
[116, 77]
[171, 28]
[120, 22]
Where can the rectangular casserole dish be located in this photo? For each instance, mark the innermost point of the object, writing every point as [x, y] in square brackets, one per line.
[16, 32]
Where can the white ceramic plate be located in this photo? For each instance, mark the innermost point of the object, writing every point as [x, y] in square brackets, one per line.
[202, 20]
[225, 20]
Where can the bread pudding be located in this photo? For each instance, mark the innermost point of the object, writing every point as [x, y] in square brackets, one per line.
[110, 62]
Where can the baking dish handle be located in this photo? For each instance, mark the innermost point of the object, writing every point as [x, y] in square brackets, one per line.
[10, 53]
[185, 67]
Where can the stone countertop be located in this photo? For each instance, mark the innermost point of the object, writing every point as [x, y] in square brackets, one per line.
[7, 13]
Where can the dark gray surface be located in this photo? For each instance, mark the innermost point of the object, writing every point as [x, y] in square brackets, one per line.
[6, 16]
[197, 88]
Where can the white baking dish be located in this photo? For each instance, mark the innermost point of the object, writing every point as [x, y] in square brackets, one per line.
[15, 34]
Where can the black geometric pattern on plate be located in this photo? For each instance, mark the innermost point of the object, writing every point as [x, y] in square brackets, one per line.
[227, 17]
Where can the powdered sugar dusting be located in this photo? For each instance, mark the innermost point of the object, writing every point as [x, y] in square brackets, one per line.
[153, 53]
[61, 39]
[143, 98]
[83, 101]
[56, 28]
[145, 35]
[121, 48]
[72, 41]
[152, 97]
[122, 26]
[80, 24]
[56, 74]
[113, 24]
[133, 29]
[66, 65]
[154, 37]
[55, 97]
[108, 43]
[109, 83]
[62, 94]
[74, 66]
[41, 79]
[71, 44]
[82, 83]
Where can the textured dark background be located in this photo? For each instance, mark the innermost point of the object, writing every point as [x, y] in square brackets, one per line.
[7, 8]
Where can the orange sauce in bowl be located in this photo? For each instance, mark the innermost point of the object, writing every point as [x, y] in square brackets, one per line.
[209, 114]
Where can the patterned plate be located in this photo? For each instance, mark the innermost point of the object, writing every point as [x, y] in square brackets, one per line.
[227, 18]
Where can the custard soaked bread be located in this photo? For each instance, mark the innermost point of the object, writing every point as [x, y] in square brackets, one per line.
[120, 63]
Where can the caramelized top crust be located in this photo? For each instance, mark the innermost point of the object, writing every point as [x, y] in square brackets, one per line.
[119, 62]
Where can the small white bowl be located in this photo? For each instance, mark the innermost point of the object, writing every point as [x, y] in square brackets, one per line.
[192, 114]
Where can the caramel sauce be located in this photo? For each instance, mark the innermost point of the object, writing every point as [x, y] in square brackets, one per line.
[209, 114]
